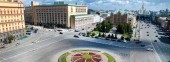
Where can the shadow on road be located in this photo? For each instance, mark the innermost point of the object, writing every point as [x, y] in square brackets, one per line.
[164, 39]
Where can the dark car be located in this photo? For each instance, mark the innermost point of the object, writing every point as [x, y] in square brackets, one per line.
[142, 45]
[138, 42]
[156, 36]
[147, 32]
[60, 33]
[76, 31]
[148, 35]
[119, 41]
[155, 41]
[76, 36]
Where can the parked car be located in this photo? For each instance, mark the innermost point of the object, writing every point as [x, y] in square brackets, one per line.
[119, 40]
[148, 35]
[155, 41]
[60, 33]
[142, 45]
[76, 31]
[76, 36]
[156, 36]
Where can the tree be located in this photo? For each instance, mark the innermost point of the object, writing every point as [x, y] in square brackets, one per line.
[93, 34]
[98, 13]
[88, 34]
[112, 36]
[104, 26]
[115, 36]
[10, 38]
[124, 28]
[103, 35]
[109, 36]
[122, 38]
[100, 34]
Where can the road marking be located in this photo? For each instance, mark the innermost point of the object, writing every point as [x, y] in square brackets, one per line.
[24, 46]
[33, 49]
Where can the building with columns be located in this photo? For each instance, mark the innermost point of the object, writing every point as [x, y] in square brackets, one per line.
[11, 20]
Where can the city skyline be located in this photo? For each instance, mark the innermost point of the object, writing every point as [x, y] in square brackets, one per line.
[154, 5]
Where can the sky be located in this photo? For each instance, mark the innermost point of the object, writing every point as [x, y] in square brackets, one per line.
[154, 5]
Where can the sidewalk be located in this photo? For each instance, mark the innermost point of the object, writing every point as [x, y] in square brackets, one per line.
[114, 43]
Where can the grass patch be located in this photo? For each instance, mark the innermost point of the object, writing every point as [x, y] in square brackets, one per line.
[110, 58]
[63, 57]
[86, 56]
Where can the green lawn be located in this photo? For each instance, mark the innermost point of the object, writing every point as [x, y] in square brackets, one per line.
[96, 32]
[86, 56]
[110, 58]
[62, 58]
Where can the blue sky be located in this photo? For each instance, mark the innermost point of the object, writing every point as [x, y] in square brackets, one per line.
[115, 4]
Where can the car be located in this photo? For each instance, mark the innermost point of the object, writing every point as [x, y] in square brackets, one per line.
[113, 39]
[138, 42]
[155, 41]
[96, 37]
[149, 49]
[147, 32]
[76, 36]
[60, 33]
[119, 41]
[106, 38]
[148, 35]
[142, 45]
[76, 31]
[156, 36]
[59, 30]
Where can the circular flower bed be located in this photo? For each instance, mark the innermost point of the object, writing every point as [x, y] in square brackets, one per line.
[85, 56]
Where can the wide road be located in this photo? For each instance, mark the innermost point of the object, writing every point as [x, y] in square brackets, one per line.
[162, 49]
[44, 50]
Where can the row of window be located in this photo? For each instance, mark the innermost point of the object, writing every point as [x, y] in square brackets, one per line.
[11, 28]
[11, 11]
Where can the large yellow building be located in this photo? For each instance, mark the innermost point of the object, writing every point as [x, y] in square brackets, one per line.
[11, 19]
[56, 15]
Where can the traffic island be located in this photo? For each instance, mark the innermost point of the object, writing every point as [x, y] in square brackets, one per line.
[86, 56]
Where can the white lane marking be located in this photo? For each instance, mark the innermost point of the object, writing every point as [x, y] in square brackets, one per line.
[24, 46]
[155, 50]
[33, 49]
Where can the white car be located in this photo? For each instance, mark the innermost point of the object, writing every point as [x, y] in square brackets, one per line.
[149, 49]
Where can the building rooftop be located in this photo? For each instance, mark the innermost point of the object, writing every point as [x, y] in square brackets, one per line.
[81, 15]
[60, 3]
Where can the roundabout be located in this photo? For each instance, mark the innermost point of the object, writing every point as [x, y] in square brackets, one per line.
[84, 55]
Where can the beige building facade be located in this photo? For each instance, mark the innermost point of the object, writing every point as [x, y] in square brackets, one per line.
[11, 19]
[56, 15]
[80, 22]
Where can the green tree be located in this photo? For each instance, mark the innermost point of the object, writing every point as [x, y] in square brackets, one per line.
[88, 34]
[103, 35]
[104, 26]
[109, 36]
[93, 34]
[115, 36]
[100, 34]
[112, 36]
[122, 38]
[10, 38]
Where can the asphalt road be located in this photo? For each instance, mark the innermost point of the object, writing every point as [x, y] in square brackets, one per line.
[47, 47]
[162, 49]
